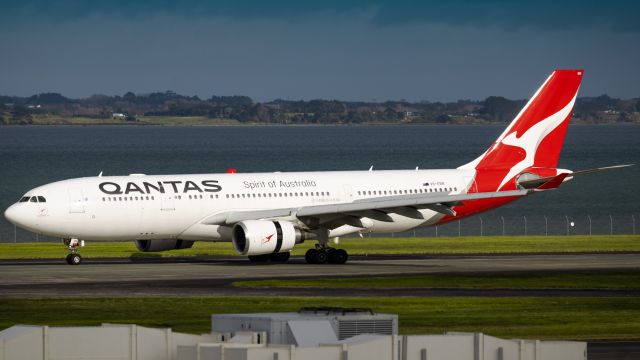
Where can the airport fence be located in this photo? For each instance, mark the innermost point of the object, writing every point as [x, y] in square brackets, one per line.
[484, 225]
[531, 225]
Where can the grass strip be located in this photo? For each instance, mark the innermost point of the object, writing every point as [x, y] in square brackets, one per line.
[584, 318]
[357, 246]
[574, 280]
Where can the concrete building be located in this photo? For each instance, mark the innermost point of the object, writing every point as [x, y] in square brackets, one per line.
[322, 334]
[309, 326]
[109, 341]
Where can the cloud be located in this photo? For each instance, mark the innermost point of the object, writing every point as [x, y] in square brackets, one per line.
[617, 15]
[341, 58]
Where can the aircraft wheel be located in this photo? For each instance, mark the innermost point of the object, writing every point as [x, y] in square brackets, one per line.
[259, 258]
[338, 256]
[321, 257]
[68, 258]
[74, 259]
[280, 257]
[310, 256]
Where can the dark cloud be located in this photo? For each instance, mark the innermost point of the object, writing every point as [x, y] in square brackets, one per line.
[422, 50]
[618, 15]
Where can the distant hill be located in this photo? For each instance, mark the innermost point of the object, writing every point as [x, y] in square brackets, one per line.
[131, 107]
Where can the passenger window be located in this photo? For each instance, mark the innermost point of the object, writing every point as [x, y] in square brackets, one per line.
[41, 199]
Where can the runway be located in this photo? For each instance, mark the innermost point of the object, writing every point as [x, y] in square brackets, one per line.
[212, 276]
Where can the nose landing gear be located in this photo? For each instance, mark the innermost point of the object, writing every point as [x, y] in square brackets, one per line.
[74, 257]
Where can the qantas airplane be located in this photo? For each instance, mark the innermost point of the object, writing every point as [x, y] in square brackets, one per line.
[264, 215]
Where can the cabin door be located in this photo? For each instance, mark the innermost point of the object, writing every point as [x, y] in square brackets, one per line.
[76, 200]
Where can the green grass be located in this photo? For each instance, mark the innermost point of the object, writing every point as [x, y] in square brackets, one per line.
[358, 246]
[546, 318]
[575, 280]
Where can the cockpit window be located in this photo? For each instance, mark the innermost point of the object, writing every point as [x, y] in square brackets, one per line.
[24, 199]
[34, 199]
[41, 199]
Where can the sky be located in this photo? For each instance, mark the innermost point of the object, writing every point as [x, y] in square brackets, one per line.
[317, 49]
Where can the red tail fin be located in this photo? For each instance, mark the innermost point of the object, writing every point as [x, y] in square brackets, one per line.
[533, 140]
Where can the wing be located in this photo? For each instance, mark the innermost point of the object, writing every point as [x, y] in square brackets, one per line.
[375, 208]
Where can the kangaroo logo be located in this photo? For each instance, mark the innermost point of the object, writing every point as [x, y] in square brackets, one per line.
[267, 239]
[531, 139]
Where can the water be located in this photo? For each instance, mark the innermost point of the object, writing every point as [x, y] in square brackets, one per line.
[34, 155]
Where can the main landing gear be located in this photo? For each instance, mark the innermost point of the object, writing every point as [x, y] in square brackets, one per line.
[324, 254]
[74, 257]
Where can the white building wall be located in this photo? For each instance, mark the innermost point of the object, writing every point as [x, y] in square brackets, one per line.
[131, 342]
[328, 352]
[113, 342]
[92, 342]
[563, 350]
[492, 347]
[21, 342]
[439, 347]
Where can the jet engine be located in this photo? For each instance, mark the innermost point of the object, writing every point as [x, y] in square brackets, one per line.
[162, 245]
[257, 237]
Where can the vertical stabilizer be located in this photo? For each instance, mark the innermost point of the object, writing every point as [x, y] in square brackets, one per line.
[533, 140]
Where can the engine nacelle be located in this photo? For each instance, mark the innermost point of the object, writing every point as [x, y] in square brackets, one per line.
[257, 237]
[162, 245]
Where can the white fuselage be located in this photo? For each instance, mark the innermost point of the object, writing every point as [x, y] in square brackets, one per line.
[138, 207]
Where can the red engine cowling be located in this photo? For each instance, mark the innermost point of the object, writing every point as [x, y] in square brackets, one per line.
[162, 245]
[257, 237]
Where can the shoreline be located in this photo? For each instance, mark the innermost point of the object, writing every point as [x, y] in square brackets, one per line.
[142, 124]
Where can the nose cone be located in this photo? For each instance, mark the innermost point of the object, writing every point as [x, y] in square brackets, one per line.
[11, 214]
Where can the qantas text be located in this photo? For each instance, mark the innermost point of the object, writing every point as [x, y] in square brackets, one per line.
[161, 187]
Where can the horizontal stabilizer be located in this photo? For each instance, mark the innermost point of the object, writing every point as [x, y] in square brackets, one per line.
[553, 183]
[590, 171]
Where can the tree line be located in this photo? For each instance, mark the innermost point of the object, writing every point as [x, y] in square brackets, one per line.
[494, 109]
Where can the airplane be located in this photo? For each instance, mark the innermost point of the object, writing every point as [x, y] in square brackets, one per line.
[264, 215]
